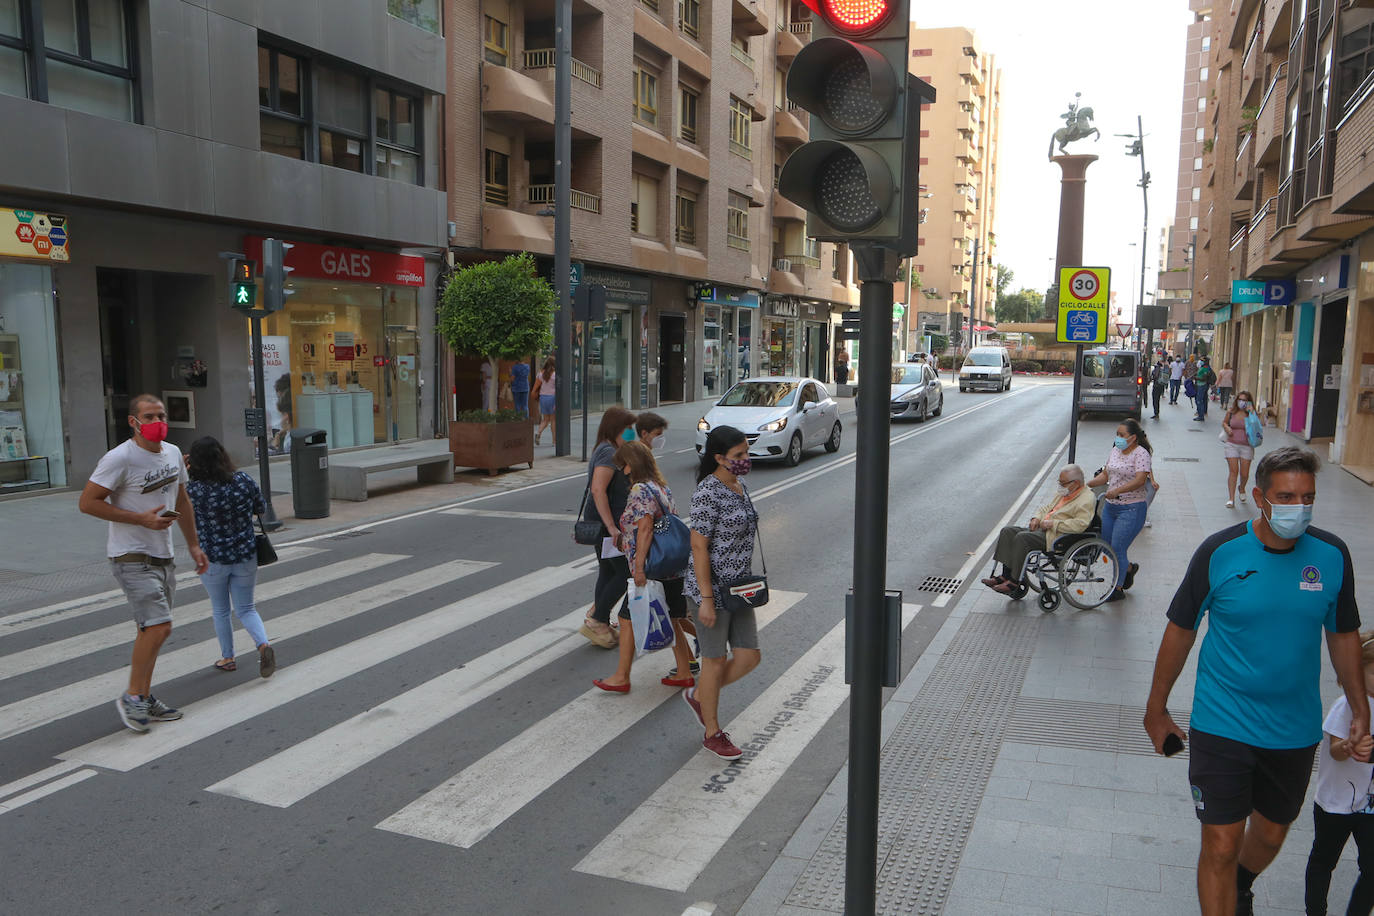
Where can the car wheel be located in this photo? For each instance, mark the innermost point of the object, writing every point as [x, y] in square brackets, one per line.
[794, 451]
[963, 390]
[940, 405]
[924, 413]
[833, 443]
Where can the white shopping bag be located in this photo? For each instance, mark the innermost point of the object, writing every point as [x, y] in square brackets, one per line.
[649, 617]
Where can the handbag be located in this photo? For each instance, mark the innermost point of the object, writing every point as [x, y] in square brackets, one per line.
[267, 554]
[671, 548]
[584, 532]
[751, 590]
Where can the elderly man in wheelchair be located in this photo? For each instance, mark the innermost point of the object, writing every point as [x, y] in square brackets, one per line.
[1058, 553]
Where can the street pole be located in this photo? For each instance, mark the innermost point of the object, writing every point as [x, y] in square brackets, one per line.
[877, 269]
[269, 518]
[562, 227]
[973, 294]
[1144, 229]
[1069, 253]
[1192, 294]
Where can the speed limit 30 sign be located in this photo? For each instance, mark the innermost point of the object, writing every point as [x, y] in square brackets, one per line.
[1083, 296]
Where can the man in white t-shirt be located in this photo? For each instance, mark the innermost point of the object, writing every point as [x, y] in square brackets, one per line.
[1175, 378]
[139, 487]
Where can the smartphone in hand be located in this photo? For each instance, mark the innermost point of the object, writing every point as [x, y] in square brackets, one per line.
[169, 513]
[1172, 744]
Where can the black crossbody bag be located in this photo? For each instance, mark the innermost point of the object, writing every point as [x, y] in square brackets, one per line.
[585, 532]
[751, 590]
[267, 554]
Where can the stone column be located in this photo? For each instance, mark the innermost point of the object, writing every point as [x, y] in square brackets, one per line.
[1072, 185]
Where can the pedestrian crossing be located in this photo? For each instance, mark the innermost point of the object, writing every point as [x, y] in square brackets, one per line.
[702, 803]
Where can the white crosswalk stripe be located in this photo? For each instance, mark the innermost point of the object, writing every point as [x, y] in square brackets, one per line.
[117, 634]
[483, 796]
[23, 715]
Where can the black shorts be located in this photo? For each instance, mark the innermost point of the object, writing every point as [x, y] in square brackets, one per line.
[1230, 779]
[672, 590]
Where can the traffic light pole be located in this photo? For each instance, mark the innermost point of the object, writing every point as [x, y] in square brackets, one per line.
[877, 271]
[269, 518]
[562, 226]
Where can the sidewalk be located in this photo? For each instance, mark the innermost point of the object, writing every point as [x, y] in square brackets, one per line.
[1016, 776]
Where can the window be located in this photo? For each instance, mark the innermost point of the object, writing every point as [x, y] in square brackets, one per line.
[1197, 193]
[341, 109]
[496, 178]
[280, 112]
[686, 233]
[1206, 42]
[740, 125]
[1202, 75]
[687, 114]
[496, 42]
[689, 17]
[1197, 164]
[1355, 58]
[737, 221]
[422, 13]
[76, 54]
[396, 154]
[646, 97]
[1202, 104]
[644, 205]
[1201, 134]
[1192, 222]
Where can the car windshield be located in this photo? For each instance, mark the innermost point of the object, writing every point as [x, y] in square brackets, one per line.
[759, 394]
[907, 375]
[983, 359]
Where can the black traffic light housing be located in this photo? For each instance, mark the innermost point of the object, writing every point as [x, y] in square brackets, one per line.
[243, 289]
[274, 272]
[858, 177]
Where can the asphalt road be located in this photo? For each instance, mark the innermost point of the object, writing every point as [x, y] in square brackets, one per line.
[433, 743]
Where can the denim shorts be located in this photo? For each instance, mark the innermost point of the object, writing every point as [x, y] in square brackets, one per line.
[149, 591]
[546, 404]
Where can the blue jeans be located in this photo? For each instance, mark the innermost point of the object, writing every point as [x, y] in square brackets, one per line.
[522, 401]
[1173, 389]
[1120, 525]
[232, 583]
[1201, 400]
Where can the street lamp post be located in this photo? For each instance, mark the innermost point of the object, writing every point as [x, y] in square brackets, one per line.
[1137, 148]
[562, 225]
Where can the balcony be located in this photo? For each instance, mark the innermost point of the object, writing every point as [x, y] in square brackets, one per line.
[510, 230]
[1245, 169]
[1239, 252]
[792, 37]
[785, 278]
[1278, 25]
[1244, 11]
[514, 95]
[969, 66]
[1269, 120]
[1261, 230]
[544, 59]
[748, 17]
[1252, 70]
[580, 200]
[790, 126]
[1352, 186]
[786, 209]
[1316, 223]
[966, 93]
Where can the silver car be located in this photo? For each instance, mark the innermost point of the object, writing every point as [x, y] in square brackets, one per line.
[917, 392]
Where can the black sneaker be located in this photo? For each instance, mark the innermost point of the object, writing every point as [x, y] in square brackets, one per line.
[696, 669]
[1130, 575]
[1245, 903]
[159, 711]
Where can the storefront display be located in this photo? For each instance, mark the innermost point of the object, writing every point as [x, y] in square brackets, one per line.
[728, 332]
[32, 445]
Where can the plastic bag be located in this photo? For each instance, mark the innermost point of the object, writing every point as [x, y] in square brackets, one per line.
[649, 616]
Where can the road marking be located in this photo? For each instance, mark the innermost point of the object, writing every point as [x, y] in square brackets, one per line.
[699, 909]
[498, 513]
[476, 801]
[20, 801]
[117, 634]
[89, 604]
[23, 715]
[212, 715]
[670, 838]
[33, 779]
[303, 769]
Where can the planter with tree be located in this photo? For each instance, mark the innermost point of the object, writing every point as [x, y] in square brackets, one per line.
[495, 310]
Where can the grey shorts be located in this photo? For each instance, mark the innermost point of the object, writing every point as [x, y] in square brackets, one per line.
[149, 591]
[735, 629]
[1243, 452]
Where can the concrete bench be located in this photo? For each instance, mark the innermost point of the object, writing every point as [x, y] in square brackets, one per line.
[433, 463]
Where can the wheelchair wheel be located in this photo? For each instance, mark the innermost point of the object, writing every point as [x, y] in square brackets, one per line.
[1089, 572]
[1049, 601]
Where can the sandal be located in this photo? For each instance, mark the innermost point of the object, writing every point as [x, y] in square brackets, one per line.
[230, 666]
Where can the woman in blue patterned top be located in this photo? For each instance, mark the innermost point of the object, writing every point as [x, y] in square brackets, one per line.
[225, 501]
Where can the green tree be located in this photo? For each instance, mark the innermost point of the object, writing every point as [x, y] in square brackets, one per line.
[1025, 305]
[1004, 278]
[497, 310]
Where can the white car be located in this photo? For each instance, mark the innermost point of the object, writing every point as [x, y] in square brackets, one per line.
[781, 417]
[917, 392]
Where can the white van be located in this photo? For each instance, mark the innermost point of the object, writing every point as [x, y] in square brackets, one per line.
[987, 368]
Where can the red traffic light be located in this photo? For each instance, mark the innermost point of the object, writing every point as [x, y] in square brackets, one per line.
[856, 17]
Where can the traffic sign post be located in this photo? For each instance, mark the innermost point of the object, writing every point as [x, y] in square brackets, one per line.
[1084, 293]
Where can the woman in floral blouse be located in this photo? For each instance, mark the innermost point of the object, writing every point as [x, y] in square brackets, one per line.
[649, 500]
[225, 502]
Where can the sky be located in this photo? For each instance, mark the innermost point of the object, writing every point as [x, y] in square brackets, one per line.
[1127, 60]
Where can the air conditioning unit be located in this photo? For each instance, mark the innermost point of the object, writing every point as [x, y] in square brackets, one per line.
[782, 264]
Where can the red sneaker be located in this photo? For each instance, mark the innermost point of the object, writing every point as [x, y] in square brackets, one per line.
[689, 696]
[721, 745]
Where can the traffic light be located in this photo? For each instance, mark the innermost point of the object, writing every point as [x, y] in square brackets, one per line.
[274, 271]
[857, 177]
[243, 289]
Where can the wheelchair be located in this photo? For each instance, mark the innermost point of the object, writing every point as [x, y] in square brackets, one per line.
[1080, 568]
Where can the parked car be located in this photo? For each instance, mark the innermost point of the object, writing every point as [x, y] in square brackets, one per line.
[917, 392]
[988, 368]
[1111, 382]
[780, 416]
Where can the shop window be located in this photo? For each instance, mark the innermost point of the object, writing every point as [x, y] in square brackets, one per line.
[737, 221]
[86, 59]
[496, 42]
[687, 114]
[32, 450]
[496, 187]
[686, 233]
[646, 96]
[644, 206]
[396, 155]
[426, 14]
[689, 17]
[740, 128]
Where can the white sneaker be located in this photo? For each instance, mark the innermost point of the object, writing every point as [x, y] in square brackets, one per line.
[1230, 505]
[1241, 497]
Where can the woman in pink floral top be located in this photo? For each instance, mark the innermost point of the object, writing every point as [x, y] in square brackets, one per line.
[1126, 475]
[649, 500]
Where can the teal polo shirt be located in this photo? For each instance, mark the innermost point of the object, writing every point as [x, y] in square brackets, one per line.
[1259, 669]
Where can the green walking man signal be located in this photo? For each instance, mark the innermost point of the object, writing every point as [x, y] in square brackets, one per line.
[243, 287]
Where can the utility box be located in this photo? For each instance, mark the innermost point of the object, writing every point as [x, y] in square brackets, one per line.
[310, 473]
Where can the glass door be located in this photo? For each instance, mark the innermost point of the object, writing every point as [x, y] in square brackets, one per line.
[713, 358]
[403, 365]
[745, 343]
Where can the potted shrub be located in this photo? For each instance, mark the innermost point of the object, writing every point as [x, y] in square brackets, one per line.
[495, 310]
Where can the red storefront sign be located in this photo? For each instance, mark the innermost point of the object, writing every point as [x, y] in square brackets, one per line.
[332, 262]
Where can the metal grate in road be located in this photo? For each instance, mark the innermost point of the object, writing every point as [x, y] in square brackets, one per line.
[1087, 726]
[940, 585]
[1193, 460]
[13, 575]
[933, 773]
[347, 534]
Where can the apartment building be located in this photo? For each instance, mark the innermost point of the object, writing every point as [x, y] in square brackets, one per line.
[680, 125]
[1285, 262]
[146, 138]
[960, 137]
[1174, 282]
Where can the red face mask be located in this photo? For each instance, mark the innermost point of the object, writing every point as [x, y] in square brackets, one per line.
[154, 431]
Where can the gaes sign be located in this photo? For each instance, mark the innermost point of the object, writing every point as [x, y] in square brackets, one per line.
[1083, 296]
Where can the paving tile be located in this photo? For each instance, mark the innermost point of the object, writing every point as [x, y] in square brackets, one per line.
[993, 830]
[1029, 812]
[1123, 901]
[1016, 750]
[1163, 850]
[1057, 894]
[1178, 881]
[1007, 787]
[1075, 757]
[1113, 778]
[1143, 876]
[978, 882]
[976, 906]
[1033, 769]
[1013, 859]
[1059, 794]
[1087, 842]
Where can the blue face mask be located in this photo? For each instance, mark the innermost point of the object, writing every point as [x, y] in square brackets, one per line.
[628, 435]
[1289, 522]
[1121, 443]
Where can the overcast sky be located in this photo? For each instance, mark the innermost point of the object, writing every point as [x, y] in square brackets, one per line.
[1127, 60]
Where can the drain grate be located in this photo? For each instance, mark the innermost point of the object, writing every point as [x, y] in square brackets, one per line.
[348, 534]
[1193, 460]
[940, 585]
[1087, 726]
[13, 575]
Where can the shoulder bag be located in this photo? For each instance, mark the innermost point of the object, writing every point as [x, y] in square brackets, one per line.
[267, 554]
[585, 532]
[748, 591]
[671, 549]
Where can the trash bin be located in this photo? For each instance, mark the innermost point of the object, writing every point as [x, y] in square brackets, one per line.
[309, 473]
